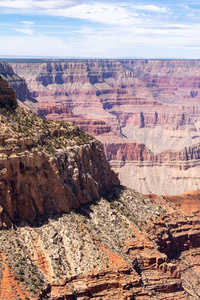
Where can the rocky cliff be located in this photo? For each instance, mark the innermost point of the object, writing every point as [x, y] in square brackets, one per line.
[136, 91]
[7, 95]
[47, 166]
[61, 112]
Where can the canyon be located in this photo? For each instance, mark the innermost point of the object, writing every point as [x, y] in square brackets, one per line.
[150, 106]
[69, 230]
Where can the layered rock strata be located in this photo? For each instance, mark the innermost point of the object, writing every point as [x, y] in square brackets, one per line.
[151, 102]
[16, 82]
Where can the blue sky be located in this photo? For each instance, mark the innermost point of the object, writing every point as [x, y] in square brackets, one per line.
[100, 29]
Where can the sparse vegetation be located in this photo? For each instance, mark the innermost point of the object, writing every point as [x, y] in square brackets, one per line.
[46, 135]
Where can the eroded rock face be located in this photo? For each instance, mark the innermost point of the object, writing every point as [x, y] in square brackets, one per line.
[61, 112]
[19, 85]
[123, 246]
[34, 184]
[138, 92]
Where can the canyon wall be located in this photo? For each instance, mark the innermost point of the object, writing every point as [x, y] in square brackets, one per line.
[74, 233]
[132, 102]
[7, 95]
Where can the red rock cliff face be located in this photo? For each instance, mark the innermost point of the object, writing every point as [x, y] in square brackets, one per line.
[135, 87]
[61, 112]
[135, 152]
[35, 184]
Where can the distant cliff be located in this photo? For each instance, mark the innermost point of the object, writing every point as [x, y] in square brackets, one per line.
[154, 103]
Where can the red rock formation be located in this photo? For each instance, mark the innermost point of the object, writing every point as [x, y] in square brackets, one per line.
[136, 152]
[123, 246]
[60, 112]
[54, 184]
[122, 84]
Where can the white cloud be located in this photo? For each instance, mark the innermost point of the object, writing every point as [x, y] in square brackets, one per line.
[110, 42]
[27, 22]
[37, 5]
[102, 13]
[114, 29]
[152, 8]
[27, 31]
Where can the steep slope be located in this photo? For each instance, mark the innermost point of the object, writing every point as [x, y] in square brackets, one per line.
[122, 247]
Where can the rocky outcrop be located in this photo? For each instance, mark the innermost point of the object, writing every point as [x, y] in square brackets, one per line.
[16, 82]
[75, 233]
[34, 184]
[20, 87]
[47, 167]
[7, 95]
